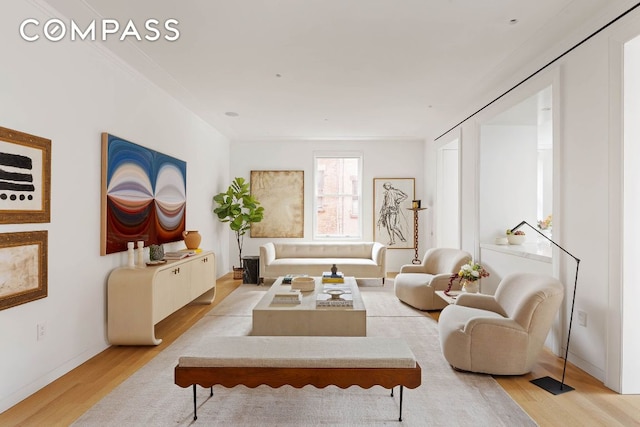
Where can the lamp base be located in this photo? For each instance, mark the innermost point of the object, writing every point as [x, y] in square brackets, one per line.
[553, 386]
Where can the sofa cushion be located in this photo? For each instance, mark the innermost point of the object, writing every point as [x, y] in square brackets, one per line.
[339, 262]
[359, 259]
[323, 250]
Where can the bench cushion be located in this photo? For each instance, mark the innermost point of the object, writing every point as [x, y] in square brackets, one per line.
[303, 352]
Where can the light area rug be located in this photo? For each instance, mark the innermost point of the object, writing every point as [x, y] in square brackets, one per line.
[445, 398]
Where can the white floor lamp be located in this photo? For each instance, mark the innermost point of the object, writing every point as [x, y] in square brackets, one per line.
[550, 384]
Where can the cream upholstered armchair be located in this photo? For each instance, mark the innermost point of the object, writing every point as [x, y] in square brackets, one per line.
[416, 284]
[501, 334]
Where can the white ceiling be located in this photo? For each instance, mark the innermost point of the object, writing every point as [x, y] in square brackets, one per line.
[328, 69]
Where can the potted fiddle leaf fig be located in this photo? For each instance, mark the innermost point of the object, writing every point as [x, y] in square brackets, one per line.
[239, 209]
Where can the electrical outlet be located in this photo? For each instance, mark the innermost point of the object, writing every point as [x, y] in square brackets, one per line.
[582, 318]
[42, 331]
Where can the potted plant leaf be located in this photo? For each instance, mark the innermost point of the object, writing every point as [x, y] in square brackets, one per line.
[239, 209]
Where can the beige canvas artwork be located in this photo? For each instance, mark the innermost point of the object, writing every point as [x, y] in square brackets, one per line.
[18, 269]
[23, 267]
[281, 193]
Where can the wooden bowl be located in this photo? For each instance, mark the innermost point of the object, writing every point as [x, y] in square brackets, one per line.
[516, 239]
[305, 284]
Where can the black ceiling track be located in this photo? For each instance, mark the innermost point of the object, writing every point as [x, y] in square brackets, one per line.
[571, 49]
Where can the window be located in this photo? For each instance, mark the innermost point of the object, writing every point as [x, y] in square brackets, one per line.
[338, 185]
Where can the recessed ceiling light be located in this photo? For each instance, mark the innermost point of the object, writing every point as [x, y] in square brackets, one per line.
[231, 114]
[278, 75]
[513, 21]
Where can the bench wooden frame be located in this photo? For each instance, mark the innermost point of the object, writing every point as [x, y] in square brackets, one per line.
[297, 377]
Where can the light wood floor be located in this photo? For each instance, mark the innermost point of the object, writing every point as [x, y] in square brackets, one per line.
[64, 400]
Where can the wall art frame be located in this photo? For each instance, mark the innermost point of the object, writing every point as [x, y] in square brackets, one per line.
[143, 195]
[392, 215]
[23, 267]
[25, 178]
[281, 193]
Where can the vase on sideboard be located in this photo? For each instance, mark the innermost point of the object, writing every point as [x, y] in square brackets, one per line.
[192, 239]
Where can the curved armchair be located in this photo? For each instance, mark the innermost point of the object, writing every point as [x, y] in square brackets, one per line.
[501, 334]
[416, 284]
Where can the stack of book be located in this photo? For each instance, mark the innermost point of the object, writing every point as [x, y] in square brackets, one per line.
[178, 254]
[287, 297]
[286, 280]
[327, 277]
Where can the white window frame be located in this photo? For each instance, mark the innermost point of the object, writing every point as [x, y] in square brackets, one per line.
[337, 154]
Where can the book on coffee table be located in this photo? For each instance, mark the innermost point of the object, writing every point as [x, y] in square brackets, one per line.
[327, 300]
[286, 280]
[327, 277]
[287, 297]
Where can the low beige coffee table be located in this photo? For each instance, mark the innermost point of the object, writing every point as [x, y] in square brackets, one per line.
[305, 319]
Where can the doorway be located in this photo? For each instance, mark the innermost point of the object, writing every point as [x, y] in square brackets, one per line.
[448, 195]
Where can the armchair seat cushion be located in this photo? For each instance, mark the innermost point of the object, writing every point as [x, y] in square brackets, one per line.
[415, 284]
[413, 288]
[455, 320]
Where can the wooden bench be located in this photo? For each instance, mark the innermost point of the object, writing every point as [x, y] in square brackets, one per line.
[299, 361]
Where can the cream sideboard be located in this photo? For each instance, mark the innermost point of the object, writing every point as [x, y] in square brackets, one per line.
[138, 298]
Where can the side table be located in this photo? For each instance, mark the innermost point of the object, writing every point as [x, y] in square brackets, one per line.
[451, 298]
[250, 265]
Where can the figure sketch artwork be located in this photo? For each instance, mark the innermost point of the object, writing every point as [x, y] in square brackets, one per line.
[23, 270]
[281, 193]
[393, 219]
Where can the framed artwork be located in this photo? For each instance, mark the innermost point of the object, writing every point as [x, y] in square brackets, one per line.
[281, 193]
[392, 215]
[23, 267]
[144, 195]
[25, 178]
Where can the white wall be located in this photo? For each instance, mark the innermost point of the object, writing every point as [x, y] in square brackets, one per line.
[381, 159]
[508, 179]
[70, 93]
[447, 201]
[631, 290]
[585, 182]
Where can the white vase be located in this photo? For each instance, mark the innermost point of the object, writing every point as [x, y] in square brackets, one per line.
[471, 287]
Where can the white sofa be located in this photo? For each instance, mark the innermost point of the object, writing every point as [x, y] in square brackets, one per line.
[362, 260]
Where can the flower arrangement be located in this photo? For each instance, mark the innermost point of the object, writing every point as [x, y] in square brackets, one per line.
[545, 224]
[469, 272]
[472, 271]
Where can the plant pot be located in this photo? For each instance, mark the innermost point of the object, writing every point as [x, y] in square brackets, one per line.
[237, 273]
